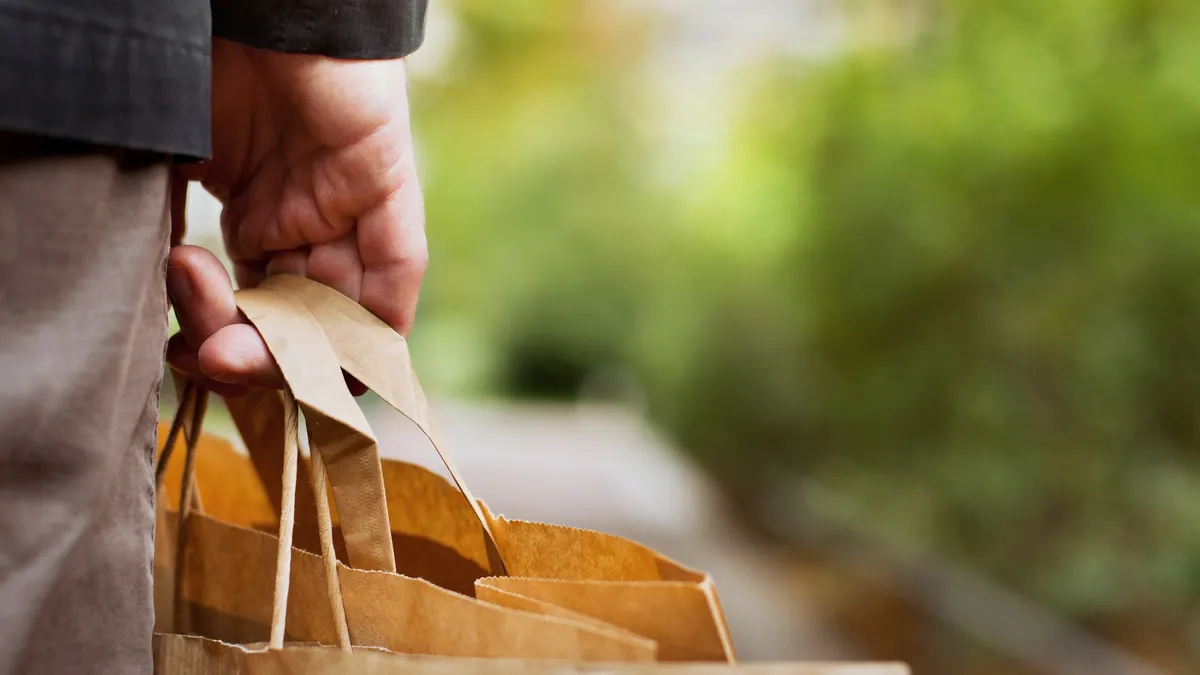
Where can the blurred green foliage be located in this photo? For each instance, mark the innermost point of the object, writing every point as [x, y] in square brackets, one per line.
[954, 276]
[987, 326]
[537, 209]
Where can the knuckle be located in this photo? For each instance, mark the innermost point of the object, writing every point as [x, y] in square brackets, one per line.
[419, 259]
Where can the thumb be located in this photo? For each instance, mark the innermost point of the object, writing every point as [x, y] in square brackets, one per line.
[220, 343]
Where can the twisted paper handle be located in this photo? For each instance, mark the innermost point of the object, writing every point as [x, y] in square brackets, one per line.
[193, 402]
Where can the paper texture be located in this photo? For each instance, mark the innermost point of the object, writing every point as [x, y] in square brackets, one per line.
[336, 426]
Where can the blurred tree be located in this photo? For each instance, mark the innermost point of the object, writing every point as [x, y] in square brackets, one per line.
[985, 325]
[953, 274]
[540, 226]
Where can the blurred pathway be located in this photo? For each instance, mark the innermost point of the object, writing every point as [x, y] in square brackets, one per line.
[602, 468]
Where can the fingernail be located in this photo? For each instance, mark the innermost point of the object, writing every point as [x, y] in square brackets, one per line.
[179, 284]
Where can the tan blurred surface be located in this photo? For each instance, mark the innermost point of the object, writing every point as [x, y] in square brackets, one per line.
[601, 467]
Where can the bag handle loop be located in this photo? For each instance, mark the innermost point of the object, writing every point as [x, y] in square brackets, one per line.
[337, 429]
[193, 401]
[377, 356]
[287, 521]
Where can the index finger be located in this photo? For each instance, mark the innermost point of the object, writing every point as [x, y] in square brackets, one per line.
[227, 348]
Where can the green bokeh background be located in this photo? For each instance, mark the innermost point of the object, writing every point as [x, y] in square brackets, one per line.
[951, 271]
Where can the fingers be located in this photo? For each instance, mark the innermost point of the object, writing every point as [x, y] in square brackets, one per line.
[237, 354]
[184, 359]
[201, 291]
[249, 274]
[218, 344]
[341, 150]
[248, 213]
[336, 264]
[216, 347]
[288, 262]
[394, 254]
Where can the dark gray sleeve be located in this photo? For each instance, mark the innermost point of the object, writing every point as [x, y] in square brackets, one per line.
[348, 29]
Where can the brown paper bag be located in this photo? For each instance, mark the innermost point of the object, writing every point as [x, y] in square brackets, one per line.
[597, 575]
[193, 655]
[225, 562]
[419, 503]
[235, 495]
[437, 539]
[229, 486]
[619, 582]
[225, 584]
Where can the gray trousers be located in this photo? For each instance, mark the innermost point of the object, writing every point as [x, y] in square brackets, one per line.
[84, 234]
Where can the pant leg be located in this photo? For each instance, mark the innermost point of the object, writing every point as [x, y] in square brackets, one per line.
[83, 323]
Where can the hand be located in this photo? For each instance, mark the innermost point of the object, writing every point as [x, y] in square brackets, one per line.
[312, 159]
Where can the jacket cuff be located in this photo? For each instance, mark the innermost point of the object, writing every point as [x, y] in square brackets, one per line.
[347, 29]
